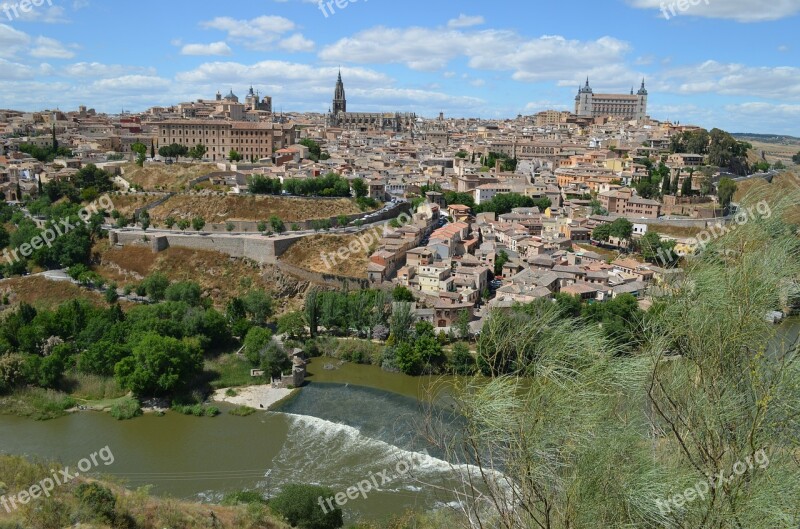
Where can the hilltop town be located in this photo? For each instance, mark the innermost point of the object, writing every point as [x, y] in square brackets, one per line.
[467, 214]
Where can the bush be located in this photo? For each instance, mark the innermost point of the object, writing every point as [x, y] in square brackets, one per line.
[243, 497]
[98, 500]
[126, 409]
[197, 410]
[242, 411]
[299, 505]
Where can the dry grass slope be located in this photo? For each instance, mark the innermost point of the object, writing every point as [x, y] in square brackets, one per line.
[216, 209]
[43, 293]
[166, 177]
[307, 254]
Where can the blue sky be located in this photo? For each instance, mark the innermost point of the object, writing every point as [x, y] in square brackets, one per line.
[733, 64]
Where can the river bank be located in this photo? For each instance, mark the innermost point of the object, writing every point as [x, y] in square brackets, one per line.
[264, 397]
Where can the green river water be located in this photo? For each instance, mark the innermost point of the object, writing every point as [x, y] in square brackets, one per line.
[342, 428]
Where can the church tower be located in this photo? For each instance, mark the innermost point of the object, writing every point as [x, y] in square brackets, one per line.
[641, 110]
[339, 99]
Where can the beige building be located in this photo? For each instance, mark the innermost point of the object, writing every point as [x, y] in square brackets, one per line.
[251, 140]
[624, 202]
[626, 106]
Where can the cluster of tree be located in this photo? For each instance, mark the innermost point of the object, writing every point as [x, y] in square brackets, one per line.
[654, 249]
[513, 341]
[45, 154]
[262, 185]
[506, 162]
[354, 313]
[175, 150]
[413, 346]
[656, 182]
[505, 202]
[315, 152]
[722, 149]
[85, 185]
[68, 249]
[330, 185]
[252, 309]
[150, 350]
[621, 228]
[796, 158]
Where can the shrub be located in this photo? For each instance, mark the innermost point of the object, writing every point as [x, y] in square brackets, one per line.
[243, 496]
[126, 409]
[242, 411]
[298, 504]
[98, 500]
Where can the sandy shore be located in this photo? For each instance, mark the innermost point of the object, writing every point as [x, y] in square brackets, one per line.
[258, 397]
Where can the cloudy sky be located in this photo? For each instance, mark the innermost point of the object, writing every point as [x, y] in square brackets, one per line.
[733, 64]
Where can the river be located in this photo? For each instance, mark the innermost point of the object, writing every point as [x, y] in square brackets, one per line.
[334, 433]
[346, 426]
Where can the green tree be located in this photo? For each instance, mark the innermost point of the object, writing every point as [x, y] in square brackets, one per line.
[277, 224]
[461, 360]
[183, 224]
[198, 223]
[400, 322]
[234, 156]
[292, 324]
[300, 506]
[197, 152]
[725, 191]
[159, 365]
[401, 293]
[111, 295]
[155, 285]
[144, 220]
[259, 306]
[462, 324]
[186, 291]
[141, 152]
[169, 222]
[796, 158]
[255, 343]
[686, 187]
[499, 262]
[311, 309]
[360, 188]
[274, 360]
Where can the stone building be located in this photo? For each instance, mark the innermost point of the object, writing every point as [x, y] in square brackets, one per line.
[338, 116]
[251, 140]
[591, 105]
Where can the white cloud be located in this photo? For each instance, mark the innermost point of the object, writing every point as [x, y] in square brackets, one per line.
[465, 21]
[12, 41]
[739, 10]
[297, 43]
[261, 33]
[45, 47]
[547, 58]
[214, 48]
[87, 70]
[779, 83]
